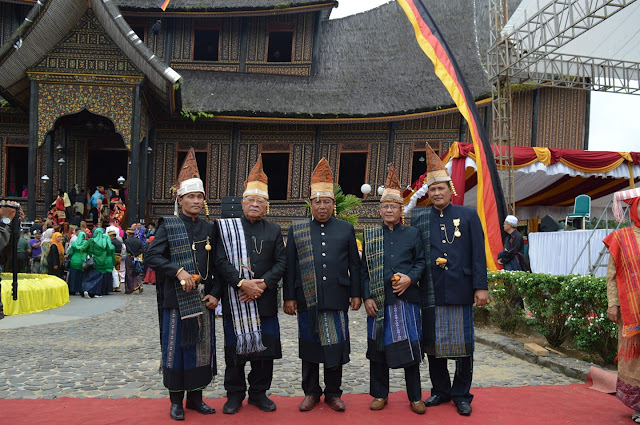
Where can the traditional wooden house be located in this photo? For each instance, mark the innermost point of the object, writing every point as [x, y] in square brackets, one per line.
[94, 90]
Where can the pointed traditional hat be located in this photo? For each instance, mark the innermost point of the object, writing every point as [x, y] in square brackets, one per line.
[322, 181]
[436, 172]
[189, 177]
[392, 190]
[256, 182]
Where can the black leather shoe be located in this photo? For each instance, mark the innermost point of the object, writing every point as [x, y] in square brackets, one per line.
[231, 406]
[435, 400]
[200, 407]
[263, 403]
[464, 408]
[176, 412]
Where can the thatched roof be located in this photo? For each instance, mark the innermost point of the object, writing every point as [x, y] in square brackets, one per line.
[216, 5]
[369, 65]
[48, 24]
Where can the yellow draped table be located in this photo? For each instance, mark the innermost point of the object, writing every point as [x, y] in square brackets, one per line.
[36, 292]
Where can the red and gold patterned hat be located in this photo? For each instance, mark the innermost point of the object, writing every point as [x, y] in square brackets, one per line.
[257, 182]
[392, 190]
[322, 181]
[436, 172]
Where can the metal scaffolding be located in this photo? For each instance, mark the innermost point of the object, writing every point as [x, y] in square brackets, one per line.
[500, 59]
[534, 52]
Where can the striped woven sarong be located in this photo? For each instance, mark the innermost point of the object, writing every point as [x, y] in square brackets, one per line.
[401, 339]
[302, 237]
[246, 319]
[331, 327]
[187, 368]
[374, 256]
[454, 331]
[326, 342]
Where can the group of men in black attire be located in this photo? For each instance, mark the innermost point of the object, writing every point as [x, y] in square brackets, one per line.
[418, 284]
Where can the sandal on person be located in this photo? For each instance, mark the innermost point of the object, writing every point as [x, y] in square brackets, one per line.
[636, 417]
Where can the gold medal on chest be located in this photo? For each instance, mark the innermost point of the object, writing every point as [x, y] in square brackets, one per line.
[456, 223]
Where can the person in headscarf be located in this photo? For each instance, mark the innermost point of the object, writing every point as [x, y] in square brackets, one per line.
[98, 279]
[250, 268]
[77, 254]
[393, 263]
[132, 281]
[59, 208]
[182, 256]
[455, 281]
[321, 283]
[46, 245]
[623, 294]
[117, 244]
[150, 274]
[36, 251]
[55, 258]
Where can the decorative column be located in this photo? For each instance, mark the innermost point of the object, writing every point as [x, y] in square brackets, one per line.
[235, 135]
[133, 194]
[33, 146]
[48, 185]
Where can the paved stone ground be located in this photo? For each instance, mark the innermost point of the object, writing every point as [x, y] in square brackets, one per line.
[117, 355]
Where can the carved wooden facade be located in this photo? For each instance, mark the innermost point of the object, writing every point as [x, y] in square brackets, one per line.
[87, 71]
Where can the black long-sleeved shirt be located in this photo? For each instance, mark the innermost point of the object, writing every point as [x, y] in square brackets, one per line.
[158, 257]
[403, 253]
[268, 261]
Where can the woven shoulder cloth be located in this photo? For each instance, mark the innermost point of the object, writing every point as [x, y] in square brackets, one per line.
[246, 318]
[189, 303]
[374, 256]
[302, 237]
[420, 218]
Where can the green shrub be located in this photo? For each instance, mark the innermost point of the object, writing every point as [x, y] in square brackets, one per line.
[546, 301]
[502, 311]
[560, 305]
[592, 330]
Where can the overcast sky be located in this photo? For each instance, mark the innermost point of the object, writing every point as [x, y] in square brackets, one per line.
[615, 118]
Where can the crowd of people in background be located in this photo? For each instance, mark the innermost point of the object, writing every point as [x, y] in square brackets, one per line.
[82, 242]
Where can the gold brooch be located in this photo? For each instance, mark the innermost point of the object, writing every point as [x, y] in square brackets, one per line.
[456, 223]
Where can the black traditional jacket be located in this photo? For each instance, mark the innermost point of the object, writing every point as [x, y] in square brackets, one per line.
[158, 257]
[403, 253]
[268, 261]
[337, 265]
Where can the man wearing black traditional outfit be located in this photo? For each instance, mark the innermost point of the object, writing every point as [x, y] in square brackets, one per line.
[455, 281]
[392, 264]
[182, 254]
[322, 281]
[250, 268]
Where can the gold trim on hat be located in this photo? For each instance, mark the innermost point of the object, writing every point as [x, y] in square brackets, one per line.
[322, 189]
[391, 195]
[256, 188]
[437, 176]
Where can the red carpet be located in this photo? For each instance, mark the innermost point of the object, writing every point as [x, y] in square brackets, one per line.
[602, 380]
[539, 405]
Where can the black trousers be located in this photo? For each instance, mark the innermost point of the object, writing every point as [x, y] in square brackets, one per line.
[379, 377]
[311, 380]
[176, 397]
[259, 379]
[439, 374]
